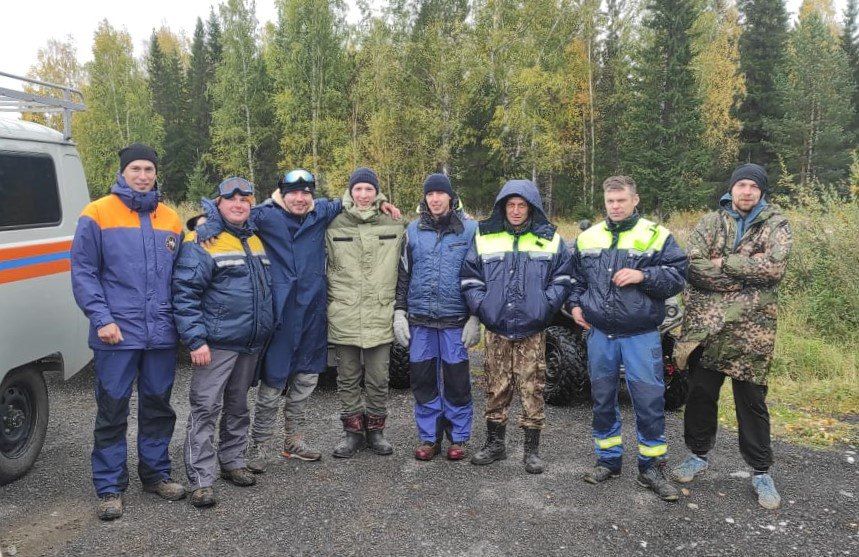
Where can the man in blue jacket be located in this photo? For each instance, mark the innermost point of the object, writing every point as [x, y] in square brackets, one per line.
[623, 270]
[122, 263]
[514, 278]
[292, 227]
[223, 310]
[432, 320]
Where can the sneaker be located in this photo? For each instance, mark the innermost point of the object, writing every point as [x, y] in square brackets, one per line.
[166, 489]
[764, 486]
[654, 479]
[203, 497]
[295, 447]
[241, 477]
[599, 474]
[686, 471]
[257, 457]
[110, 506]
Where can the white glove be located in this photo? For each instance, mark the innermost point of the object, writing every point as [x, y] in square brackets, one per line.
[401, 328]
[471, 332]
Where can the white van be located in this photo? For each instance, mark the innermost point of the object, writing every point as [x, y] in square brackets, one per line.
[42, 192]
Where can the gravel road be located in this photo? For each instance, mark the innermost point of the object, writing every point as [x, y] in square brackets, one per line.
[398, 506]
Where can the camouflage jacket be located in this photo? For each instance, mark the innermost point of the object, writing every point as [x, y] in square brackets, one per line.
[731, 311]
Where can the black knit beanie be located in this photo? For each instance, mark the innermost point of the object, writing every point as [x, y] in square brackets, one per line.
[438, 182]
[137, 152]
[753, 172]
[365, 175]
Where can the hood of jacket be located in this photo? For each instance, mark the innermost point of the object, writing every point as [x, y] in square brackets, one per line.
[525, 189]
[371, 214]
[136, 201]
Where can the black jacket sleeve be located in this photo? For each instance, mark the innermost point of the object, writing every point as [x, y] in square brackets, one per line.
[404, 276]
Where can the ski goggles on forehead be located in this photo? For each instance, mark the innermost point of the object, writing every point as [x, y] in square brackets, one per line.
[232, 186]
[299, 176]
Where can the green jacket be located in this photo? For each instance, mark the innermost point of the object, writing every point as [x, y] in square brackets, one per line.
[731, 311]
[363, 250]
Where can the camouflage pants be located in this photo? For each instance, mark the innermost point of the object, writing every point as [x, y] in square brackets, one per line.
[519, 363]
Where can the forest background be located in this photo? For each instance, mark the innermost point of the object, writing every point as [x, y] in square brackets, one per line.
[564, 92]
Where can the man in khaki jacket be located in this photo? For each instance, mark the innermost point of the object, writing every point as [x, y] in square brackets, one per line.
[363, 246]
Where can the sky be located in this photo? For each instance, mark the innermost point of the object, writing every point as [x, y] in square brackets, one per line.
[27, 27]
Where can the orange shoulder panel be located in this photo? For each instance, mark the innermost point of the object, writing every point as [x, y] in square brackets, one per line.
[111, 212]
[166, 218]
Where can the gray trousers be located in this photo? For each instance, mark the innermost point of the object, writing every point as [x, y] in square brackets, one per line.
[375, 375]
[223, 384]
[298, 390]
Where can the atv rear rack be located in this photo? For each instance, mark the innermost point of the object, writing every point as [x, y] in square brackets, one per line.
[21, 101]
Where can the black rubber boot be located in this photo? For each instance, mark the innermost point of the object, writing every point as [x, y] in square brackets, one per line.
[353, 436]
[532, 460]
[376, 435]
[494, 449]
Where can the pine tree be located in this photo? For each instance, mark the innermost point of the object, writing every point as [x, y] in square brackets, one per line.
[811, 137]
[851, 50]
[170, 101]
[762, 52]
[663, 150]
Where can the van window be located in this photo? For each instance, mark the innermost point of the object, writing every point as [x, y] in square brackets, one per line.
[29, 196]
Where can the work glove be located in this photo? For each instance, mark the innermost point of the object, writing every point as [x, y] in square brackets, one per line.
[401, 328]
[471, 332]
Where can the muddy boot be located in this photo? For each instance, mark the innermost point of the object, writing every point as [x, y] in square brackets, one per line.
[110, 506]
[532, 460]
[494, 449]
[376, 436]
[353, 436]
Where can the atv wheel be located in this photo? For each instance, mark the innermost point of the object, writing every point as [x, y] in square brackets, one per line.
[567, 379]
[398, 369]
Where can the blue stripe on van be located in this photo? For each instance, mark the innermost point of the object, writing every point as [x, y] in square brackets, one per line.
[25, 261]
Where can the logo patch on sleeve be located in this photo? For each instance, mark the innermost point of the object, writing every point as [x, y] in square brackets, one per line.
[171, 243]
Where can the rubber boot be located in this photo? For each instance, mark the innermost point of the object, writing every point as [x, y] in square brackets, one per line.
[376, 436]
[353, 436]
[532, 460]
[494, 449]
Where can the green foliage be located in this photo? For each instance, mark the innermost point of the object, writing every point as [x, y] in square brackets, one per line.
[762, 53]
[119, 108]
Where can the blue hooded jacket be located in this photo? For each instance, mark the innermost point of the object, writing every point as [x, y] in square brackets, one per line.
[516, 281]
[222, 292]
[122, 264]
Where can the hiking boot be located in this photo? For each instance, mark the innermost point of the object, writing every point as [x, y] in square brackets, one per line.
[692, 466]
[257, 457]
[599, 473]
[203, 497]
[531, 457]
[376, 436]
[456, 452]
[427, 451]
[353, 436]
[241, 477]
[294, 446]
[494, 449]
[110, 506]
[654, 479]
[764, 486]
[166, 489]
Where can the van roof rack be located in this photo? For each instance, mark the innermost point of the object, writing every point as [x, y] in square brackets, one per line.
[20, 101]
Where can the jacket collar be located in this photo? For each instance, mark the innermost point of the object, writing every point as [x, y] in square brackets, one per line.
[136, 201]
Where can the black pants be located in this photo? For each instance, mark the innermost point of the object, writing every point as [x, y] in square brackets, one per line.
[700, 419]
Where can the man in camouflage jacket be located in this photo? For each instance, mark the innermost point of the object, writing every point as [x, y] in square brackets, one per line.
[737, 257]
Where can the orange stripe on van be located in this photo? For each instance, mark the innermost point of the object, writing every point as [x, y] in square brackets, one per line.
[35, 249]
[36, 270]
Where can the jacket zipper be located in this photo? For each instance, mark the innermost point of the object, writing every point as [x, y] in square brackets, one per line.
[253, 273]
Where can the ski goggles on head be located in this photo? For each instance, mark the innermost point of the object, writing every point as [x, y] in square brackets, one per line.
[297, 180]
[234, 185]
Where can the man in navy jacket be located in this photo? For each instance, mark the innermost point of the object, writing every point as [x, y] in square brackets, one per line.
[623, 270]
[514, 278]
